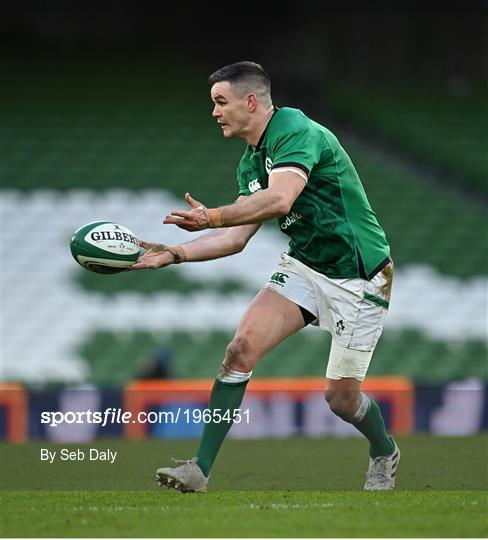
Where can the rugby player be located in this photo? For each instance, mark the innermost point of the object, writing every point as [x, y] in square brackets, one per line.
[337, 273]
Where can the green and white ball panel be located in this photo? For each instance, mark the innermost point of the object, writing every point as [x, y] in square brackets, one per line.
[105, 247]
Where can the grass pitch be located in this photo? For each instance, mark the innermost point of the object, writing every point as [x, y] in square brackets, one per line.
[292, 488]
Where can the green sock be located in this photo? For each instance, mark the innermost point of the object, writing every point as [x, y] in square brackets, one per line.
[226, 397]
[372, 426]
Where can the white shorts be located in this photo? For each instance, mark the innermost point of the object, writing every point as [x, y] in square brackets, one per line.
[352, 310]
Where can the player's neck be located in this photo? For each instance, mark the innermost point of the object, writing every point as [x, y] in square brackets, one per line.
[259, 127]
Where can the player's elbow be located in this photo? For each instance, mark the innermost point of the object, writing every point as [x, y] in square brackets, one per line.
[238, 245]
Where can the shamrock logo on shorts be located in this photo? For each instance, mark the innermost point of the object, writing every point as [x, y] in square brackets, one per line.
[340, 327]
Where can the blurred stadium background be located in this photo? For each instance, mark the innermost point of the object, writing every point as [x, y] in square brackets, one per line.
[105, 114]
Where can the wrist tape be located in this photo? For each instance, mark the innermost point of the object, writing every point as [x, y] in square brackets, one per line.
[178, 253]
[214, 216]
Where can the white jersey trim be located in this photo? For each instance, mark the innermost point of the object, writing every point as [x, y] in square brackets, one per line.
[298, 172]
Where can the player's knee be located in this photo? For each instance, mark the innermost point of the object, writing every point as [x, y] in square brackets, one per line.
[343, 403]
[238, 355]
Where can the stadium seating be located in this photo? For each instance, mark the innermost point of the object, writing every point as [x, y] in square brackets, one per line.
[115, 358]
[444, 127]
[105, 142]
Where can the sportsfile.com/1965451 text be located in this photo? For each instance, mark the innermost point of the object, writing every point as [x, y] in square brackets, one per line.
[114, 415]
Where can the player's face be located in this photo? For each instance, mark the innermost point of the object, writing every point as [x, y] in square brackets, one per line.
[231, 111]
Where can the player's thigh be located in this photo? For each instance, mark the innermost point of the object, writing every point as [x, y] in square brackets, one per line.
[269, 320]
[355, 317]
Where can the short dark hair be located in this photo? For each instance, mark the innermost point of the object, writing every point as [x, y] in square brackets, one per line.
[245, 76]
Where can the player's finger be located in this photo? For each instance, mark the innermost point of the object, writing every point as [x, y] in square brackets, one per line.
[146, 245]
[182, 214]
[187, 226]
[136, 266]
[145, 248]
[143, 263]
[191, 201]
[172, 220]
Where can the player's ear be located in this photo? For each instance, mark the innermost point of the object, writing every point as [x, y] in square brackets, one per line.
[252, 102]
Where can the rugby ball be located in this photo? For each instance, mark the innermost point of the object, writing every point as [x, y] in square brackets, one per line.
[105, 247]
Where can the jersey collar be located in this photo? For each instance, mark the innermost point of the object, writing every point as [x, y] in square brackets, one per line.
[263, 135]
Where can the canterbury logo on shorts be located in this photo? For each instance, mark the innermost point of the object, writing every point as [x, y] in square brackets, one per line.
[279, 278]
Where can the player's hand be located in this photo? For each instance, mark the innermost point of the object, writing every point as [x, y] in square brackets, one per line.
[155, 256]
[152, 247]
[195, 219]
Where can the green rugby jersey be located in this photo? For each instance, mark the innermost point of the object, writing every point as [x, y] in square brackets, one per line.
[331, 225]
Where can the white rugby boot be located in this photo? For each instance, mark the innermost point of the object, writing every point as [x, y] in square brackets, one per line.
[382, 470]
[188, 477]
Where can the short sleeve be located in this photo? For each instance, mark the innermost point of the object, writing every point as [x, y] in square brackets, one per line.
[242, 185]
[243, 191]
[300, 147]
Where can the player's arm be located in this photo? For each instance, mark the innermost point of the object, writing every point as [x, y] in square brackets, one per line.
[219, 243]
[214, 245]
[285, 185]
